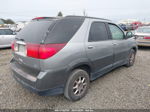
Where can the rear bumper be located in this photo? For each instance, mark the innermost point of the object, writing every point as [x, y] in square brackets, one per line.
[50, 82]
[144, 44]
[52, 91]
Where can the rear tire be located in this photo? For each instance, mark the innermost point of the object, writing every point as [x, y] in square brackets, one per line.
[77, 85]
[131, 58]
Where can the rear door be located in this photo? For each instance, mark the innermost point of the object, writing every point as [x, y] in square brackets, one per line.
[120, 45]
[99, 48]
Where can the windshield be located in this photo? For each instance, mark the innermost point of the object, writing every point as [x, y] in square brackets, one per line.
[35, 31]
[143, 30]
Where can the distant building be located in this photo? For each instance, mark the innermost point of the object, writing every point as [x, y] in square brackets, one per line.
[1, 22]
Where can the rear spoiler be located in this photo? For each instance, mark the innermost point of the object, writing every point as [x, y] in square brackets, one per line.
[39, 18]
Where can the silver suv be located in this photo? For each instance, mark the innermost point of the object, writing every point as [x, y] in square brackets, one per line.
[61, 56]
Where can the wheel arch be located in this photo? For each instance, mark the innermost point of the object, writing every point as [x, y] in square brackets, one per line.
[82, 65]
[135, 48]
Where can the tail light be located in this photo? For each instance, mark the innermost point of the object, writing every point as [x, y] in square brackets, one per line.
[43, 51]
[13, 45]
[146, 37]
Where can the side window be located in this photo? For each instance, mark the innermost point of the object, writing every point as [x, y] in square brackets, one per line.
[98, 32]
[8, 32]
[117, 34]
[2, 32]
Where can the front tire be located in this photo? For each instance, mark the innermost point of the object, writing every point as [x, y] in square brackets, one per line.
[77, 85]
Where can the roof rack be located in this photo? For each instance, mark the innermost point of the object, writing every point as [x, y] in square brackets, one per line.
[89, 17]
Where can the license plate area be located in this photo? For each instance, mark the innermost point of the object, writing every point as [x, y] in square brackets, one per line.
[20, 48]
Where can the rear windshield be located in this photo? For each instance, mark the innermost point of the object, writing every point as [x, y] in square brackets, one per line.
[64, 30]
[54, 31]
[34, 32]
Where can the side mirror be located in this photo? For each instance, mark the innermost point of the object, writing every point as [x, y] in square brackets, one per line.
[14, 33]
[129, 35]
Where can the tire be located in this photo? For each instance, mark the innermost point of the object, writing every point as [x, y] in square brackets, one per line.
[131, 58]
[77, 85]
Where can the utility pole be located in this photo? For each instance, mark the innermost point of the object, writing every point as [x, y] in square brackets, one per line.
[84, 13]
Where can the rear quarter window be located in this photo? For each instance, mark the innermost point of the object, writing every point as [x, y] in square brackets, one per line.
[64, 30]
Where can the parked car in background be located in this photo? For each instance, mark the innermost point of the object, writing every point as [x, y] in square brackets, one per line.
[143, 36]
[128, 27]
[62, 56]
[123, 26]
[6, 37]
[136, 24]
[129, 24]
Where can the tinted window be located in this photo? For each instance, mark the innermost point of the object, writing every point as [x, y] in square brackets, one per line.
[98, 32]
[35, 31]
[117, 34]
[64, 30]
[2, 32]
[8, 32]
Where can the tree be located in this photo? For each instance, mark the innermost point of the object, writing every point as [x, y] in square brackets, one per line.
[60, 14]
[8, 21]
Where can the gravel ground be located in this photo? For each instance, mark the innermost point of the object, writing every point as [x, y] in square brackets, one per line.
[123, 88]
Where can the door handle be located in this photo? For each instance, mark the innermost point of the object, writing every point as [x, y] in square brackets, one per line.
[90, 47]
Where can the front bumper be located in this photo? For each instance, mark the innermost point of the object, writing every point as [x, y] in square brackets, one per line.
[46, 83]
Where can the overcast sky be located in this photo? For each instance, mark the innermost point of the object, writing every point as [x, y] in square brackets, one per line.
[111, 9]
